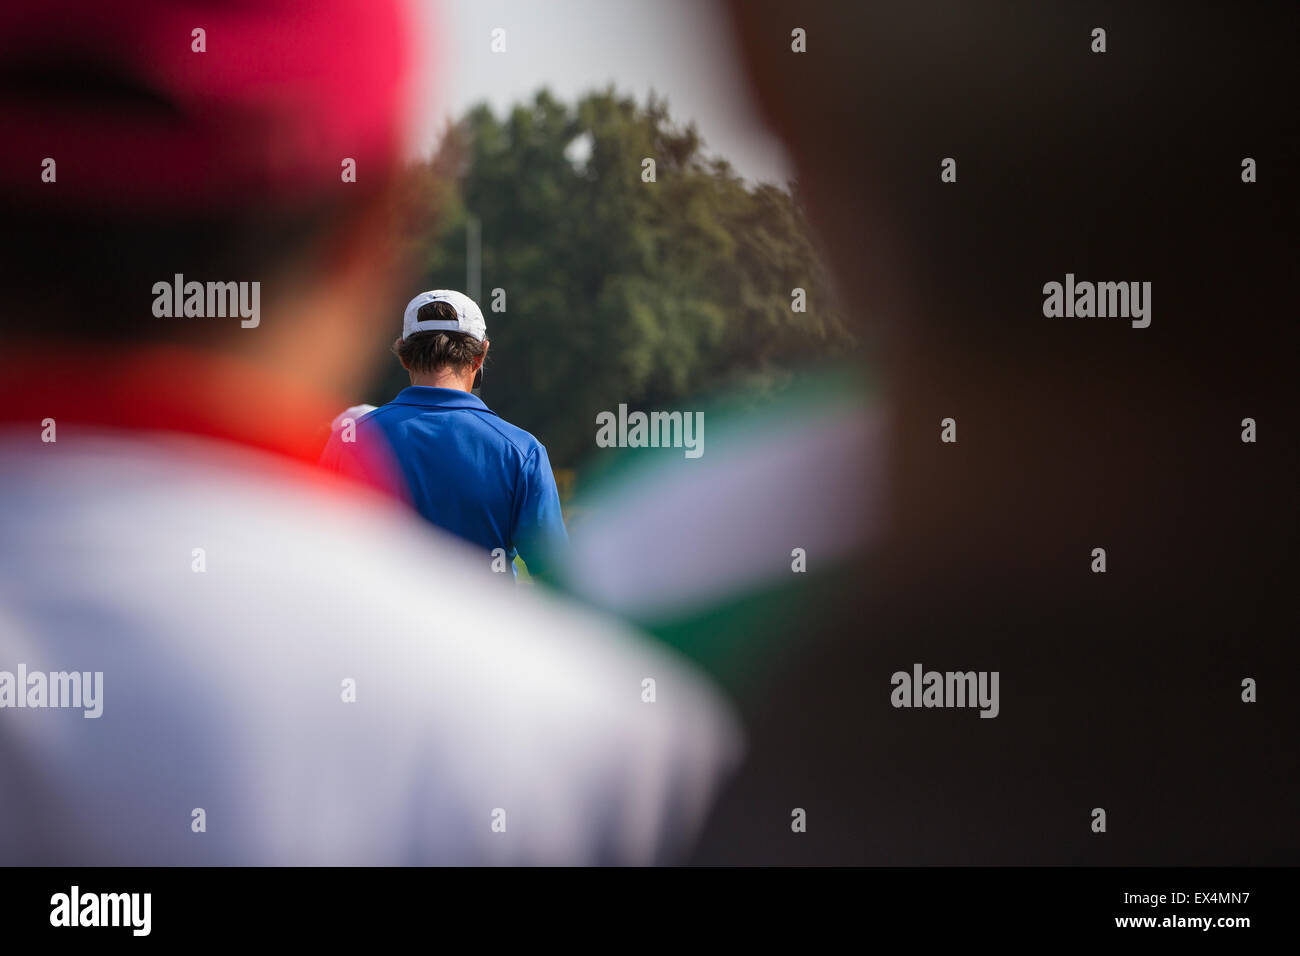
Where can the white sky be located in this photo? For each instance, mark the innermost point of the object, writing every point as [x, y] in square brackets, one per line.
[681, 49]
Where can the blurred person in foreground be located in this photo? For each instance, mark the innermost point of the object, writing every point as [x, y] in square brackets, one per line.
[1121, 691]
[458, 463]
[284, 668]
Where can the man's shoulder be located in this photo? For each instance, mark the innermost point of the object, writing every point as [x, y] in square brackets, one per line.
[483, 418]
[354, 415]
[524, 442]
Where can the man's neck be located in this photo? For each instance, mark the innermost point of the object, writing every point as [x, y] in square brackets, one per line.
[442, 380]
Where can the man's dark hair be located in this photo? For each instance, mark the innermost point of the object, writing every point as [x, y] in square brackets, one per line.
[431, 351]
[91, 274]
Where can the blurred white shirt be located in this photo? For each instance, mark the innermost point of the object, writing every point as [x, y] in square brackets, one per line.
[223, 688]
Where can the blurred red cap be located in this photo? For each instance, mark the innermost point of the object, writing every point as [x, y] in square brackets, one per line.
[134, 118]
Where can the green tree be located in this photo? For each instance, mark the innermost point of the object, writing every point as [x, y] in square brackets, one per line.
[617, 290]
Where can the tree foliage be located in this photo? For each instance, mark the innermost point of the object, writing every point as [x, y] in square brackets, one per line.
[617, 290]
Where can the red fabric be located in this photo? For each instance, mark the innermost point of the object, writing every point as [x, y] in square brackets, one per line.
[285, 91]
[170, 389]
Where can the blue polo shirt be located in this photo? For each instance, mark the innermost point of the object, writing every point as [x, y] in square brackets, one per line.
[463, 468]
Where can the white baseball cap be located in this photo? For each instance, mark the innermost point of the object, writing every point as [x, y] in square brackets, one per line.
[469, 319]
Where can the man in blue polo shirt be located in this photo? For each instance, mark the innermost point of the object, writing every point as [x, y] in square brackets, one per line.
[459, 465]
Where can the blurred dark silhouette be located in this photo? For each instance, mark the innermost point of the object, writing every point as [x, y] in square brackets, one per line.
[1119, 690]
